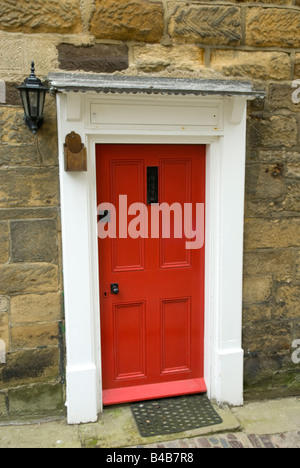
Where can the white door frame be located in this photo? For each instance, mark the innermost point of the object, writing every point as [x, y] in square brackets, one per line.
[219, 122]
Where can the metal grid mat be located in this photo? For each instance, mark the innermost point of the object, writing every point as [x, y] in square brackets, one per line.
[173, 415]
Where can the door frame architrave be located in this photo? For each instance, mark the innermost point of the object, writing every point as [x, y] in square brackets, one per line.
[225, 183]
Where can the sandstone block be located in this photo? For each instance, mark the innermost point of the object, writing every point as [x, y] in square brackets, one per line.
[12, 128]
[297, 66]
[268, 338]
[280, 97]
[17, 52]
[34, 278]
[47, 144]
[298, 268]
[278, 155]
[291, 202]
[261, 208]
[257, 65]
[257, 288]
[3, 406]
[43, 50]
[100, 58]
[278, 263]
[34, 241]
[256, 312]
[32, 308]
[34, 335]
[128, 20]
[12, 98]
[293, 169]
[25, 187]
[11, 54]
[4, 304]
[217, 24]
[18, 155]
[272, 233]
[19, 146]
[287, 301]
[4, 337]
[265, 181]
[57, 16]
[156, 58]
[4, 243]
[273, 131]
[30, 366]
[273, 27]
[288, 204]
[37, 400]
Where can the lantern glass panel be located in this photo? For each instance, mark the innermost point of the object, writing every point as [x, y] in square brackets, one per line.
[24, 97]
[33, 99]
[41, 102]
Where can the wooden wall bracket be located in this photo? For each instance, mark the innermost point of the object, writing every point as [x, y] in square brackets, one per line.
[75, 153]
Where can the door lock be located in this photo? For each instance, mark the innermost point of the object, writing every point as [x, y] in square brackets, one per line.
[114, 287]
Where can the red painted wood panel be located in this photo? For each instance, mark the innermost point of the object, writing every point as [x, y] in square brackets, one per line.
[152, 332]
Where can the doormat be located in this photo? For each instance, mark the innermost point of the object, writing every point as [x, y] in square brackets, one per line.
[172, 415]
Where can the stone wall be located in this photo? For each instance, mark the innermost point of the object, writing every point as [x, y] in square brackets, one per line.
[31, 321]
[272, 239]
[258, 41]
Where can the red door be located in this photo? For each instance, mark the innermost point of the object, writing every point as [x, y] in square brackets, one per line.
[151, 284]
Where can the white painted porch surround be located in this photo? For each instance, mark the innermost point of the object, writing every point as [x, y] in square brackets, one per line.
[219, 122]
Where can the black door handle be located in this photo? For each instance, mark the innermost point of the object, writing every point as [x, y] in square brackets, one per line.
[114, 287]
[103, 215]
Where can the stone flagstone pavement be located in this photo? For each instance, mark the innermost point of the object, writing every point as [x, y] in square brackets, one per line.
[264, 424]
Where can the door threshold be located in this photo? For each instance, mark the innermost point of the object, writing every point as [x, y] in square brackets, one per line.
[153, 391]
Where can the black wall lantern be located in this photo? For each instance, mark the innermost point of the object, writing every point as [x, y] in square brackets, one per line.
[33, 94]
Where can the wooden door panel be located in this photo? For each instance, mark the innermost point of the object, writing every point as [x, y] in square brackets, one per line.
[152, 332]
[129, 340]
[176, 335]
[176, 187]
[128, 253]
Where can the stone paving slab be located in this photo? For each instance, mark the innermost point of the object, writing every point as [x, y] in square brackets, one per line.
[55, 434]
[269, 417]
[266, 424]
[117, 428]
